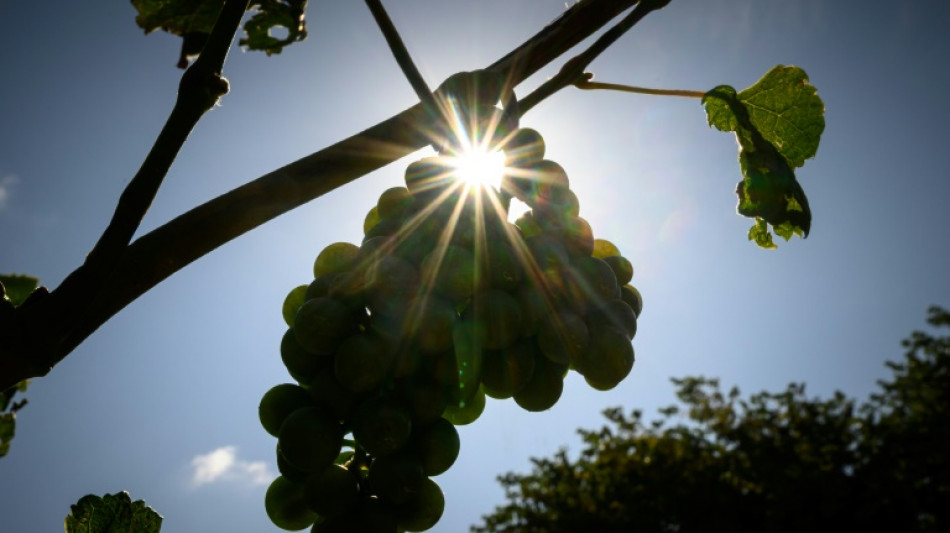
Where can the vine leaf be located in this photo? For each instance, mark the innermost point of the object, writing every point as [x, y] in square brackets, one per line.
[112, 513]
[15, 288]
[193, 20]
[778, 123]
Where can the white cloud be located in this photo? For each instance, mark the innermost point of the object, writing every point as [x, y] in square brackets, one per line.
[223, 464]
[6, 183]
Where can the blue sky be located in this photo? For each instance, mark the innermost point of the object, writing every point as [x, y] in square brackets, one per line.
[162, 400]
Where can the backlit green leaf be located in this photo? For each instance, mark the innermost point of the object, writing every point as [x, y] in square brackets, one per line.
[777, 122]
[17, 287]
[112, 513]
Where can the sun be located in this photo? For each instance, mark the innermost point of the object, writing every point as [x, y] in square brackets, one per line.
[479, 167]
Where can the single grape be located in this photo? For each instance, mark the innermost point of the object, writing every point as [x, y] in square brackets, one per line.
[466, 411]
[332, 491]
[381, 427]
[630, 295]
[394, 202]
[622, 268]
[545, 387]
[604, 248]
[322, 323]
[310, 439]
[336, 257]
[292, 303]
[505, 372]
[424, 510]
[286, 505]
[437, 445]
[300, 364]
[563, 336]
[523, 148]
[278, 403]
[363, 362]
[372, 218]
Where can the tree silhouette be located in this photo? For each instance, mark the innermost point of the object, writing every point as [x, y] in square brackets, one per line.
[773, 462]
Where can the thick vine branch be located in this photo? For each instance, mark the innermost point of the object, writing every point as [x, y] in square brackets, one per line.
[165, 250]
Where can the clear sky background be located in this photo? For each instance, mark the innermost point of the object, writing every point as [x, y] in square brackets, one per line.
[177, 376]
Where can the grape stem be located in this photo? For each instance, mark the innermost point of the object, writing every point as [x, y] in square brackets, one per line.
[592, 85]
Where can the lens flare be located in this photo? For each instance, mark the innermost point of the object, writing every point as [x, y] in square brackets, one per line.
[478, 167]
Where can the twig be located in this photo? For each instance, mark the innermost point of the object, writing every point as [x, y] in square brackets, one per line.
[590, 85]
[573, 70]
[401, 53]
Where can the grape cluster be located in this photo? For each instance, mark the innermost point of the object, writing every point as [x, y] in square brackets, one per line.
[398, 340]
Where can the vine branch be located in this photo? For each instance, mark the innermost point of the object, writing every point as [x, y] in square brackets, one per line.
[46, 332]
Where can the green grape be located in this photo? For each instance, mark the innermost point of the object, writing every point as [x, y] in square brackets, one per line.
[432, 320]
[630, 295]
[545, 386]
[591, 282]
[496, 318]
[288, 471]
[310, 439]
[528, 225]
[563, 336]
[501, 257]
[396, 478]
[622, 267]
[363, 361]
[381, 427]
[523, 148]
[604, 248]
[386, 227]
[577, 236]
[286, 506]
[278, 403]
[505, 372]
[608, 358]
[336, 257]
[548, 180]
[534, 307]
[466, 411]
[452, 272]
[318, 287]
[424, 511]
[292, 302]
[389, 283]
[425, 399]
[372, 218]
[349, 288]
[547, 250]
[615, 313]
[328, 393]
[427, 177]
[394, 202]
[322, 323]
[301, 364]
[437, 445]
[332, 491]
